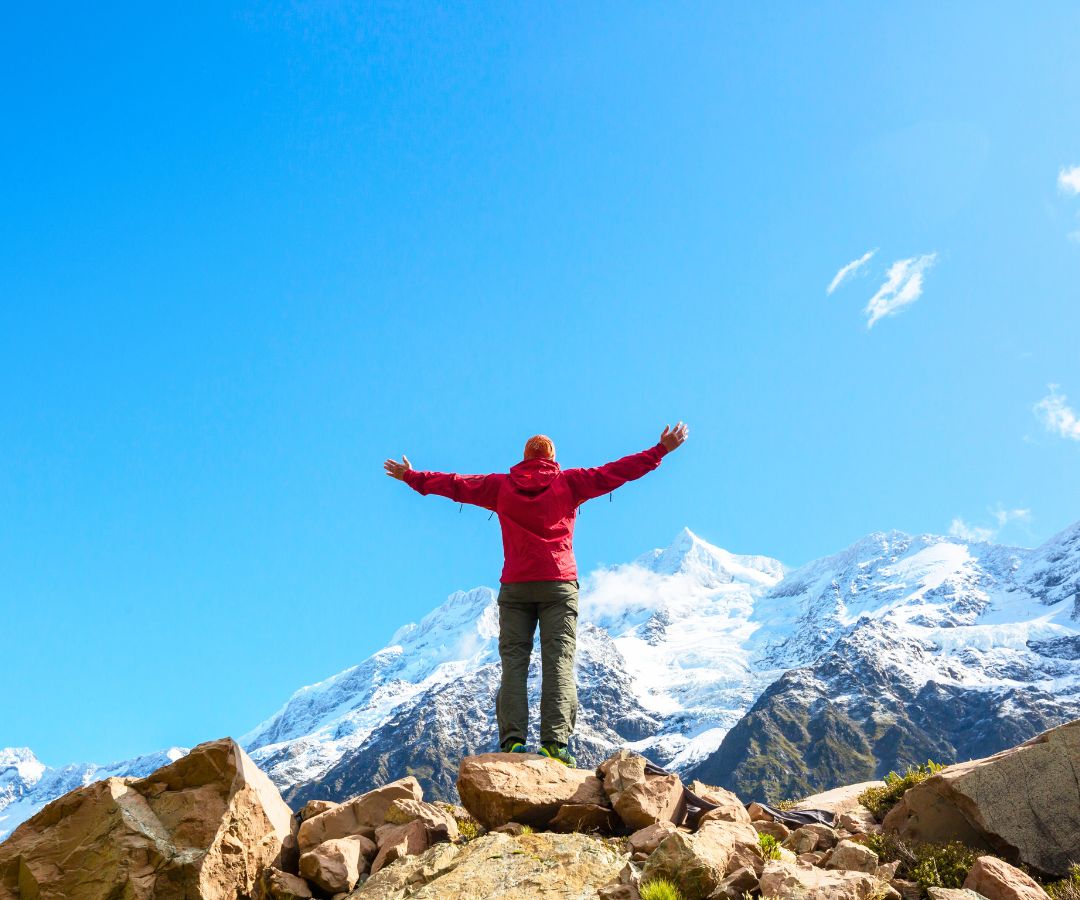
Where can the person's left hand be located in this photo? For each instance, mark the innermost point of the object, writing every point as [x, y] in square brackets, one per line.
[397, 469]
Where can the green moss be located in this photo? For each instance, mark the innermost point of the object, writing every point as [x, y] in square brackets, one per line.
[880, 800]
[770, 846]
[659, 889]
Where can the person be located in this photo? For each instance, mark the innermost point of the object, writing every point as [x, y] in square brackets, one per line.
[537, 504]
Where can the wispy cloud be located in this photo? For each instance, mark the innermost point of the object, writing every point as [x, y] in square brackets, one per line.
[850, 269]
[1057, 416]
[1069, 180]
[1002, 517]
[903, 286]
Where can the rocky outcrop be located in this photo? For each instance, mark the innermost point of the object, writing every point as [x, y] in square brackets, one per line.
[783, 879]
[1022, 804]
[497, 788]
[639, 797]
[500, 867]
[698, 862]
[360, 815]
[203, 826]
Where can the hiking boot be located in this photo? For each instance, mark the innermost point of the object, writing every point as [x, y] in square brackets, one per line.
[514, 747]
[558, 752]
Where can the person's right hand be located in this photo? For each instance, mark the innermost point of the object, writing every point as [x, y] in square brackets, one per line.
[674, 437]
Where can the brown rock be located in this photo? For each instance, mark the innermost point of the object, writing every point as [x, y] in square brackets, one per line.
[826, 837]
[858, 820]
[758, 813]
[739, 883]
[778, 830]
[887, 871]
[728, 805]
[747, 856]
[1023, 803]
[360, 815]
[337, 864]
[497, 788]
[838, 800]
[698, 862]
[315, 807]
[397, 841]
[940, 893]
[853, 857]
[813, 858]
[782, 879]
[802, 840]
[618, 892]
[437, 821]
[514, 829]
[646, 840]
[995, 879]
[205, 824]
[908, 890]
[641, 799]
[585, 817]
[273, 884]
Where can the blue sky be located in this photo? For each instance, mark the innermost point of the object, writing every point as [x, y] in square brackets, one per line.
[247, 253]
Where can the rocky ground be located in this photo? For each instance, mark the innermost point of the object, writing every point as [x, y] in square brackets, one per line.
[211, 825]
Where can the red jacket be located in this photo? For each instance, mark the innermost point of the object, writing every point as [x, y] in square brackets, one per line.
[537, 505]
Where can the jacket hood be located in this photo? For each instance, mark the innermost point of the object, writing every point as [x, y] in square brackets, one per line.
[534, 475]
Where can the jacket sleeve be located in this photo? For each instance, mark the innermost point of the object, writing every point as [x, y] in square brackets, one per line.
[479, 490]
[588, 483]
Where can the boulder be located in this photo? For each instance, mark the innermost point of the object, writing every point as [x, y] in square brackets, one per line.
[360, 815]
[314, 807]
[728, 805]
[397, 841]
[698, 862]
[782, 879]
[838, 800]
[337, 864]
[858, 820]
[778, 830]
[641, 799]
[995, 879]
[826, 837]
[204, 826]
[908, 890]
[736, 885]
[758, 813]
[273, 884]
[942, 893]
[646, 840]
[853, 857]
[801, 840]
[618, 892]
[437, 821]
[1023, 804]
[497, 788]
[498, 867]
[585, 817]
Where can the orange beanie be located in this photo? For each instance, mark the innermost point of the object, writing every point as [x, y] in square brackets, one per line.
[539, 447]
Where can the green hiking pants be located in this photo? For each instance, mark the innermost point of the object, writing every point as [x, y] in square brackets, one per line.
[554, 605]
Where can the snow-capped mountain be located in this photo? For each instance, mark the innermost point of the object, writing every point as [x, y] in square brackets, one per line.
[905, 647]
[27, 784]
[720, 666]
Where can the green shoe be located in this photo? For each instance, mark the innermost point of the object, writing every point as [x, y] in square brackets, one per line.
[554, 751]
[515, 747]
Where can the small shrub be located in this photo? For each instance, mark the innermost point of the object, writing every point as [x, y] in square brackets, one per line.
[880, 800]
[931, 865]
[469, 829]
[770, 846]
[526, 829]
[659, 889]
[1067, 888]
[787, 804]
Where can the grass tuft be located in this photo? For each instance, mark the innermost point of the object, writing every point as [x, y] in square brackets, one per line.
[659, 889]
[770, 846]
[931, 865]
[1067, 888]
[880, 800]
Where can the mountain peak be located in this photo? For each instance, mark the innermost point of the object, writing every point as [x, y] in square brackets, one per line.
[690, 554]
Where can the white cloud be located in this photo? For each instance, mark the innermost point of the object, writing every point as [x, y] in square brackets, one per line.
[903, 285]
[975, 533]
[1057, 416]
[850, 269]
[1069, 180]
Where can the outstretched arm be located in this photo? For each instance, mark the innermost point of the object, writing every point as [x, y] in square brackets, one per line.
[479, 490]
[588, 483]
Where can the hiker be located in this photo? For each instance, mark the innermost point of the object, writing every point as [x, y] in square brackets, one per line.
[537, 504]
